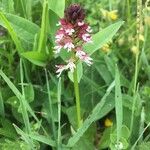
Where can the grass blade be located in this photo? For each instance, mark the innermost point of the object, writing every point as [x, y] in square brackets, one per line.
[2, 111]
[22, 102]
[17, 93]
[118, 104]
[59, 114]
[50, 111]
[24, 136]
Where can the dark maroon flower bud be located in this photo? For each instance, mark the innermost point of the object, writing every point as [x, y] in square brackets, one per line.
[74, 13]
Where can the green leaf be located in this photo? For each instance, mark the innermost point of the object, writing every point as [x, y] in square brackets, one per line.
[24, 136]
[36, 58]
[108, 106]
[7, 6]
[84, 144]
[29, 92]
[43, 139]
[7, 129]
[14, 145]
[18, 94]
[53, 20]
[5, 22]
[57, 6]
[118, 103]
[102, 37]
[105, 139]
[125, 132]
[2, 110]
[75, 138]
[72, 118]
[23, 28]
[122, 144]
[13, 101]
[144, 146]
[44, 25]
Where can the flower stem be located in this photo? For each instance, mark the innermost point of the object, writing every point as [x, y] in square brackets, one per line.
[77, 96]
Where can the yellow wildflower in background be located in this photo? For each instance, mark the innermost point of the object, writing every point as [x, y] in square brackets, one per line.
[108, 123]
[135, 50]
[147, 20]
[110, 15]
[141, 37]
[121, 41]
[113, 15]
[105, 48]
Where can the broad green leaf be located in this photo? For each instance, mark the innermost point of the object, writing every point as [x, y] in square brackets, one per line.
[108, 106]
[104, 73]
[5, 22]
[36, 58]
[84, 144]
[57, 6]
[24, 29]
[102, 37]
[7, 6]
[86, 124]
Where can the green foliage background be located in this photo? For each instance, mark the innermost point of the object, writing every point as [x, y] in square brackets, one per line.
[37, 110]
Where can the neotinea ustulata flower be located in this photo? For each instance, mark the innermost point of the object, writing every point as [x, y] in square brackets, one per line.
[73, 32]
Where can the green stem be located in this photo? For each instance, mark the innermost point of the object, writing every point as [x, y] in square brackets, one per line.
[76, 89]
[50, 106]
[128, 12]
[135, 88]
